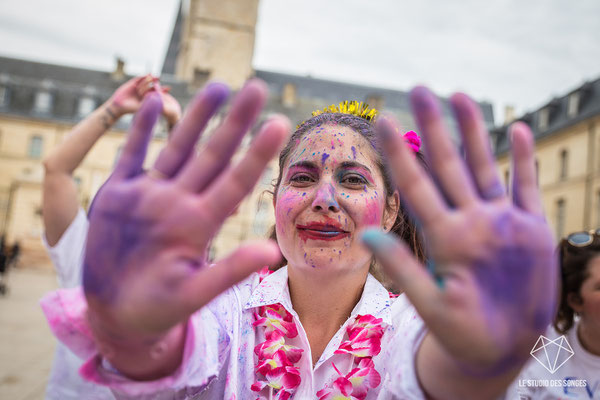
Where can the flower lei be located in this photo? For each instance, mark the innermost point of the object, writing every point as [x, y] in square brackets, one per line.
[276, 369]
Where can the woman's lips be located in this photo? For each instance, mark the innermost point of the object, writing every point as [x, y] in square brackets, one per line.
[317, 231]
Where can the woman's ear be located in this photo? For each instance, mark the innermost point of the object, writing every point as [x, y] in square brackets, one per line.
[391, 211]
[575, 302]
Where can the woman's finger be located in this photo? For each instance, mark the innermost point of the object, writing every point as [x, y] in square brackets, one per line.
[525, 190]
[478, 151]
[416, 189]
[209, 282]
[134, 152]
[236, 182]
[409, 274]
[441, 153]
[181, 144]
[221, 146]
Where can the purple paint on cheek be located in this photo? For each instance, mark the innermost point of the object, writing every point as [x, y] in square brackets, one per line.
[332, 145]
[324, 157]
[353, 152]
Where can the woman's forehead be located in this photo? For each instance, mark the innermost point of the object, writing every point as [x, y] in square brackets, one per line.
[333, 142]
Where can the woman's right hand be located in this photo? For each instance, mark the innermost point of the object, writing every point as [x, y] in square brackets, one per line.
[145, 268]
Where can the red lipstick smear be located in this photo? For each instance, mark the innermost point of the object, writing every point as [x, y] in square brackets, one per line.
[330, 229]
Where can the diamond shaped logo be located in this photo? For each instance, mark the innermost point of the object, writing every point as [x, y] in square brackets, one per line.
[552, 354]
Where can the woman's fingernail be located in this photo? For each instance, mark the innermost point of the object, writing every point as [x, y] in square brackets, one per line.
[439, 280]
[377, 240]
[423, 101]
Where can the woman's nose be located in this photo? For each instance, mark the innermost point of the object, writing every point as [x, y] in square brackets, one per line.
[325, 199]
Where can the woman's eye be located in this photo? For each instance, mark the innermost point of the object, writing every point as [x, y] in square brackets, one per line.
[354, 180]
[301, 178]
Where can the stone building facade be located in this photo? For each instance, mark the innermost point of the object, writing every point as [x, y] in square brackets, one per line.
[567, 136]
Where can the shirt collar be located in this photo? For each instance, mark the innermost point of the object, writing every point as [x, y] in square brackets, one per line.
[273, 289]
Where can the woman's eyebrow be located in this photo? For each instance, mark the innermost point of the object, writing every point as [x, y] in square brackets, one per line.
[353, 164]
[304, 164]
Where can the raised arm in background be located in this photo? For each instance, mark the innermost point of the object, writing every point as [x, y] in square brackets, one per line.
[60, 205]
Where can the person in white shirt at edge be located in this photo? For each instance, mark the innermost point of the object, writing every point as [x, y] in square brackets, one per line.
[578, 318]
[65, 222]
[153, 320]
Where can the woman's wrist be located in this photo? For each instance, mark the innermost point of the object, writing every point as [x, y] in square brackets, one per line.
[141, 356]
[109, 114]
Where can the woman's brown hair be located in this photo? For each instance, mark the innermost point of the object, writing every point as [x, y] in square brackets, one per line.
[574, 262]
[404, 226]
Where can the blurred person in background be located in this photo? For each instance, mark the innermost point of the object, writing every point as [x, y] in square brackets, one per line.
[578, 318]
[13, 257]
[3, 266]
[66, 223]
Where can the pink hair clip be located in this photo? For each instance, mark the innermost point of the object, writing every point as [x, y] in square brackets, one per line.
[413, 140]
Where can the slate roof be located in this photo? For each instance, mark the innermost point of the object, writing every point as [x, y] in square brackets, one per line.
[559, 119]
[22, 79]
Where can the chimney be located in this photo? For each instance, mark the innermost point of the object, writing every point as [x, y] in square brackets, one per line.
[119, 73]
[509, 114]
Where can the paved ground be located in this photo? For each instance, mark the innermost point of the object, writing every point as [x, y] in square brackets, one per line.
[26, 344]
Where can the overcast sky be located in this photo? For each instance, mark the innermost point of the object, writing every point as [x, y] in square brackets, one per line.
[504, 51]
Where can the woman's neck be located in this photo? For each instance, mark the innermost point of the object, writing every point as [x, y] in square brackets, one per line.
[589, 338]
[323, 304]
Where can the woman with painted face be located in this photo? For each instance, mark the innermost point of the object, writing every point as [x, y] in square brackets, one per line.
[573, 359]
[154, 320]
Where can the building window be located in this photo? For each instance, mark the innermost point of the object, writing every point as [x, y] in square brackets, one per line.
[560, 218]
[35, 146]
[85, 106]
[288, 95]
[262, 218]
[564, 164]
[43, 102]
[573, 106]
[375, 101]
[200, 77]
[117, 155]
[267, 176]
[544, 119]
[3, 96]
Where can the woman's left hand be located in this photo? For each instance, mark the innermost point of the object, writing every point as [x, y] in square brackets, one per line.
[492, 256]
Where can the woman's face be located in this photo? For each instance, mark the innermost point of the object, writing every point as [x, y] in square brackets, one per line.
[589, 307]
[331, 188]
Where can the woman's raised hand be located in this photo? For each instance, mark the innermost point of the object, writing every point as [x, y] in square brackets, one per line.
[145, 266]
[491, 255]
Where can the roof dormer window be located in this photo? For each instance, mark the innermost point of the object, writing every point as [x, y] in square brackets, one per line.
[573, 104]
[3, 96]
[543, 119]
[43, 102]
[85, 106]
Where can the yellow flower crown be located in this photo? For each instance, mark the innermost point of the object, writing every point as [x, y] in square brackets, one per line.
[353, 107]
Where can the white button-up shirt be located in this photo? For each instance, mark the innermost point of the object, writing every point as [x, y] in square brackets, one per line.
[219, 359]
